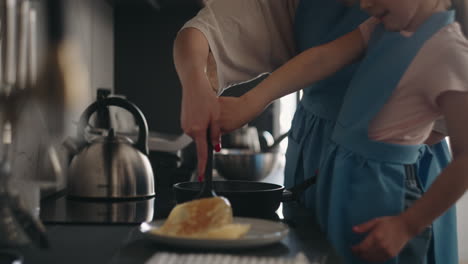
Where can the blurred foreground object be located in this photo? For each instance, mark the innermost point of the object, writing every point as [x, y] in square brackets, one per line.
[34, 102]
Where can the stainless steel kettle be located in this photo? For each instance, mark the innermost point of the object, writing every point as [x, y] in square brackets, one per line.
[111, 166]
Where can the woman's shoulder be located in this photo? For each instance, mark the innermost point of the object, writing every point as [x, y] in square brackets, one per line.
[241, 13]
[248, 6]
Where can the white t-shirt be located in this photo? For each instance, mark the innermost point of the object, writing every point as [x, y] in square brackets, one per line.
[441, 65]
[247, 37]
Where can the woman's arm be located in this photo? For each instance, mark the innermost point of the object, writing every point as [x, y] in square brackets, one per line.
[306, 68]
[200, 108]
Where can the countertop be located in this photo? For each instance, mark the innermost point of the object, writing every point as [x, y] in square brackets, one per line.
[123, 243]
[109, 233]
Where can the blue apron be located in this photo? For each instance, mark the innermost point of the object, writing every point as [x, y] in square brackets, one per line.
[365, 179]
[317, 22]
[444, 246]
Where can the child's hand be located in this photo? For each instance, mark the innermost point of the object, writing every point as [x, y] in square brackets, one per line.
[386, 237]
[236, 112]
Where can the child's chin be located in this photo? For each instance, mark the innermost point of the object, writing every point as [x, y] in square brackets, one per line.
[392, 28]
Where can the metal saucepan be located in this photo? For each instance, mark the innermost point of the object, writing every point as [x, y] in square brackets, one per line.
[270, 144]
[243, 138]
[247, 164]
[247, 198]
[244, 164]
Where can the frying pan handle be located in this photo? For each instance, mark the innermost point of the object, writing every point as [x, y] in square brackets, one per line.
[294, 192]
[288, 196]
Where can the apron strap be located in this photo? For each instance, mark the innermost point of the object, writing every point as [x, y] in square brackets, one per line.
[388, 58]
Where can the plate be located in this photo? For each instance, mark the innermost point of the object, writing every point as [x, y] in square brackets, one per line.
[262, 232]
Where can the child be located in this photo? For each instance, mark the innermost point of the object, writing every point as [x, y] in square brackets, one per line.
[413, 72]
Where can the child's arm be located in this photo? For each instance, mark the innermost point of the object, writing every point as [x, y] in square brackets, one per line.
[387, 235]
[306, 68]
[453, 181]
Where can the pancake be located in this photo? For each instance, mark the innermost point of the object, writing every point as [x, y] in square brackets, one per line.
[203, 218]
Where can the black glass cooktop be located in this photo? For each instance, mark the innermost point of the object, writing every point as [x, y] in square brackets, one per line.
[61, 210]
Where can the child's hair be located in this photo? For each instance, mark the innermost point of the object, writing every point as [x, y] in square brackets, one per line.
[461, 7]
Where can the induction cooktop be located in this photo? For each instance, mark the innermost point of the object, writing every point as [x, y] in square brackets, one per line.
[62, 210]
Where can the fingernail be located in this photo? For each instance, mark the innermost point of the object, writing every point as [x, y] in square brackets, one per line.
[218, 147]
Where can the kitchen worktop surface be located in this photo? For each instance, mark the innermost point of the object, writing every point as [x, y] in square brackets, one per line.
[105, 242]
[108, 232]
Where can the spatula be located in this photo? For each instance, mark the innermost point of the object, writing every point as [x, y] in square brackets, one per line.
[207, 187]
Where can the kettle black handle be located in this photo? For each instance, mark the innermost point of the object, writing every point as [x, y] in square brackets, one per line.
[142, 142]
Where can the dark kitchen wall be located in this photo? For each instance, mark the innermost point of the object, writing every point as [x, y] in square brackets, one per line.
[90, 26]
[144, 69]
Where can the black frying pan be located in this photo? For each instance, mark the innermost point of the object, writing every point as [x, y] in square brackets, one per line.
[247, 198]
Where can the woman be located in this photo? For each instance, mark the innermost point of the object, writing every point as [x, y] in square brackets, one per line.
[247, 38]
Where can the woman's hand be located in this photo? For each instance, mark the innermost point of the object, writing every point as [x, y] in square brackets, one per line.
[385, 239]
[200, 111]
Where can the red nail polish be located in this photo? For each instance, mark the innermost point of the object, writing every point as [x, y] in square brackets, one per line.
[218, 148]
[200, 178]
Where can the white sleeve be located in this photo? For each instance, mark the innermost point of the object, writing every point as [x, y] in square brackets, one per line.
[247, 37]
[439, 126]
